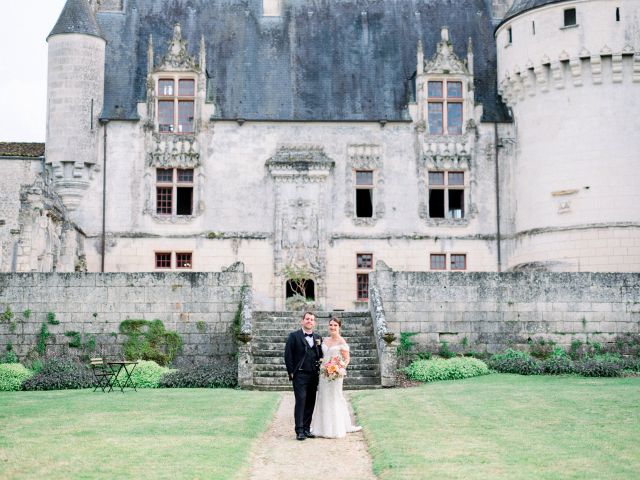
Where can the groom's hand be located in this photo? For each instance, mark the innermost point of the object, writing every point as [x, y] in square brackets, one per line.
[291, 377]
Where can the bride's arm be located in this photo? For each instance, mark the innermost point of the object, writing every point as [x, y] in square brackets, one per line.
[345, 356]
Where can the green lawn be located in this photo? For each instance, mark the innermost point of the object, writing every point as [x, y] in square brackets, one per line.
[151, 434]
[505, 427]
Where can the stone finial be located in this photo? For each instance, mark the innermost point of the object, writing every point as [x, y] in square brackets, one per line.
[202, 57]
[445, 60]
[444, 34]
[470, 56]
[420, 55]
[150, 54]
[177, 56]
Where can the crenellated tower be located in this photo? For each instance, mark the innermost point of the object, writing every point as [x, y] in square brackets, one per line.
[75, 92]
[570, 72]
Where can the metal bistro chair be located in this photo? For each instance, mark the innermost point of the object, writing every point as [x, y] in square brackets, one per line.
[103, 374]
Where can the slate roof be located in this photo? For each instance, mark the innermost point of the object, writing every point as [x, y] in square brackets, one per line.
[77, 17]
[323, 60]
[521, 6]
[18, 149]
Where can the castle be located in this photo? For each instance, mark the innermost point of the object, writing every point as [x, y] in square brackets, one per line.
[310, 139]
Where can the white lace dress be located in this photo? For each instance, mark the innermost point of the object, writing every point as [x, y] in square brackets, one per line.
[331, 417]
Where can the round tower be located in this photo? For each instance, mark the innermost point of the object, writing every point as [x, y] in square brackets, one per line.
[570, 72]
[75, 91]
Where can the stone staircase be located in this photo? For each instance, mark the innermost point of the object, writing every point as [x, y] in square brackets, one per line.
[270, 331]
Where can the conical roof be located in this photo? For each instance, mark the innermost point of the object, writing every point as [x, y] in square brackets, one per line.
[77, 17]
[521, 6]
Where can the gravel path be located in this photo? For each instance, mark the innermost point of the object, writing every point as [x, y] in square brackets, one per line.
[280, 456]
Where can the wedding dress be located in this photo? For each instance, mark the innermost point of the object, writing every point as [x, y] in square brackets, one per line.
[331, 417]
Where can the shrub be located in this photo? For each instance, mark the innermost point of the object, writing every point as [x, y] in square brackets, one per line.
[60, 374]
[213, 375]
[9, 356]
[600, 366]
[542, 348]
[147, 374]
[558, 365]
[441, 369]
[12, 376]
[515, 361]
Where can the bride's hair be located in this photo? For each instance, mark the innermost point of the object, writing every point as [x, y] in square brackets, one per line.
[337, 320]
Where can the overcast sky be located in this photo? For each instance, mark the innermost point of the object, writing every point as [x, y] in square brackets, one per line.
[23, 67]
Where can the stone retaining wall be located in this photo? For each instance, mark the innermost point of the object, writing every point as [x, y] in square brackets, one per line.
[200, 306]
[496, 310]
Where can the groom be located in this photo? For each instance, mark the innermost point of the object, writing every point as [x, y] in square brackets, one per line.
[302, 354]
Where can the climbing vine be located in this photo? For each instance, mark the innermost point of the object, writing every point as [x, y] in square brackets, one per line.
[148, 340]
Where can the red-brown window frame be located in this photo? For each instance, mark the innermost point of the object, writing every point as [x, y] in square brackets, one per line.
[451, 255]
[190, 267]
[155, 259]
[432, 255]
[176, 98]
[446, 186]
[173, 185]
[360, 272]
[444, 100]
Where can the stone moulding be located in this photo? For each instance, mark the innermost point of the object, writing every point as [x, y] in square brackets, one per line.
[364, 157]
[305, 164]
[174, 151]
[578, 69]
[435, 159]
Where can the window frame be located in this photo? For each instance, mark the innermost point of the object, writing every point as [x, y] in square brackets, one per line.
[369, 187]
[176, 98]
[183, 252]
[564, 17]
[447, 187]
[155, 259]
[174, 185]
[444, 101]
[444, 263]
[464, 256]
[362, 272]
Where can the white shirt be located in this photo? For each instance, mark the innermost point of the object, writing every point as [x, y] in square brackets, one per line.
[309, 340]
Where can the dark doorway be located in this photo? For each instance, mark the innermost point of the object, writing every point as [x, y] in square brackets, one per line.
[303, 287]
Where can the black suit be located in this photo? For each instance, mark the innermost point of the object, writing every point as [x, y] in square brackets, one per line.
[302, 367]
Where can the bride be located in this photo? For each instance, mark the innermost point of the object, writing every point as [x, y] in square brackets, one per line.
[331, 417]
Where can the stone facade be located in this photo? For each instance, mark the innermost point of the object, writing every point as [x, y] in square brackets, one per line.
[493, 311]
[201, 307]
[278, 188]
[36, 233]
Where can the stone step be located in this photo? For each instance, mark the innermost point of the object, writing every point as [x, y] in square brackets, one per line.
[352, 371]
[298, 315]
[272, 344]
[350, 329]
[284, 381]
[279, 352]
[288, 388]
[278, 360]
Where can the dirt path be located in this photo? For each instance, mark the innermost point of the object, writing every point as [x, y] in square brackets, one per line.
[280, 456]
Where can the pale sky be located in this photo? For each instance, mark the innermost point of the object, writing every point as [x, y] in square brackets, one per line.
[23, 67]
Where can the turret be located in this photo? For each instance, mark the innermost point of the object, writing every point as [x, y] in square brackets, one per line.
[569, 72]
[75, 91]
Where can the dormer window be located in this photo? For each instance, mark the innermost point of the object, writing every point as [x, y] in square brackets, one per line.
[444, 107]
[176, 99]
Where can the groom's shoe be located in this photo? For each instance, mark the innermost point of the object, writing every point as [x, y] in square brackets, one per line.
[301, 436]
[308, 434]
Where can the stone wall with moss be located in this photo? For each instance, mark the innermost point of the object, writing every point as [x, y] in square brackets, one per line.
[82, 312]
[482, 311]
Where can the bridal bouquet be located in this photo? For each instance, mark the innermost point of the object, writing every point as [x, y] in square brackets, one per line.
[333, 369]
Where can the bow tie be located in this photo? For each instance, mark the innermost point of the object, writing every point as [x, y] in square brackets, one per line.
[308, 334]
